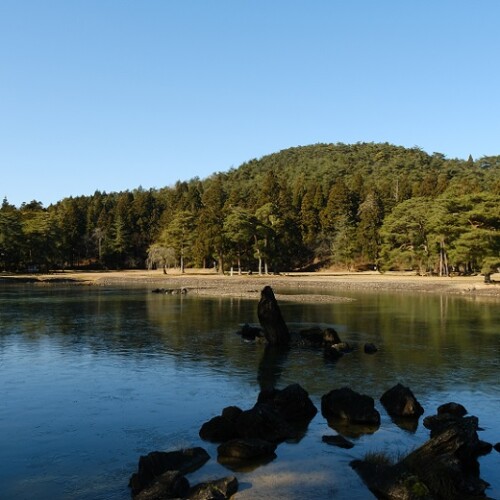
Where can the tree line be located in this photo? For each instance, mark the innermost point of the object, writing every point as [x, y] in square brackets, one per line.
[359, 206]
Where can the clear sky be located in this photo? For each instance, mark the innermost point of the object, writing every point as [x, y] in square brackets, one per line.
[111, 95]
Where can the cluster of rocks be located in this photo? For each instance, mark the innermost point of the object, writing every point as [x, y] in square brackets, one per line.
[274, 331]
[246, 437]
[171, 291]
[445, 467]
[314, 337]
[162, 475]
[252, 435]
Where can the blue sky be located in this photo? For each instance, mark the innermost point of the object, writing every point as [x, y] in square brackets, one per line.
[110, 95]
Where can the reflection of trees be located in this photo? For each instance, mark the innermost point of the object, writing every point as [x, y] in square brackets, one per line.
[424, 340]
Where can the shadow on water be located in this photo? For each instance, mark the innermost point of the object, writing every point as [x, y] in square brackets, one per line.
[271, 366]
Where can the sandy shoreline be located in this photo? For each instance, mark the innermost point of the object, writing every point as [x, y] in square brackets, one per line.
[208, 283]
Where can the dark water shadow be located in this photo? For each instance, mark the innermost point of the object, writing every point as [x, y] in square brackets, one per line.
[271, 366]
[409, 425]
[348, 429]
[240, 465]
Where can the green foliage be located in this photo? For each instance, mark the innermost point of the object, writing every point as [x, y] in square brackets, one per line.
[346, 205]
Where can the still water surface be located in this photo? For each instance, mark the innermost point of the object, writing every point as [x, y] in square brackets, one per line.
[91, 378]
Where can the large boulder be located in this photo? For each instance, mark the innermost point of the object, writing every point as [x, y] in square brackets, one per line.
[292, 402]
[265, 422]
[448, 415]
[400, 402]
[221, 427]
[346, 404]
[338, 440]
[278, 415]
[451, 408]
[270, 318]
[156, 463]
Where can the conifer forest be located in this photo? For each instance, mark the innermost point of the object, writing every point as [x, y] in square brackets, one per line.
[354, 207]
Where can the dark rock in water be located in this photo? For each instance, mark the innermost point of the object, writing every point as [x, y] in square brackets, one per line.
[170, 291]
[330, 336]
[231, 413]
[399, 401]
[455, 409]
[265, 422]
[250, 332]
[370, 348]
[246, 449]
[220, 489]
[339, 441]
[312, 337]
[497, 447]
[332, 352]
[292, 402]
[222, 427]
[277, 416]
[317, 337]
[443, 421]
[336, 351]
[170, 484]
[349, 405]
[270, 318]
[445, 467]
[218, 429]
[154, 464]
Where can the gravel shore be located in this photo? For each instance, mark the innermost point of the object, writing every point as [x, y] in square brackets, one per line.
[209, 283]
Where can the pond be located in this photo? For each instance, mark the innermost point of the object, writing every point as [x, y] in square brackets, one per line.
[94, 377]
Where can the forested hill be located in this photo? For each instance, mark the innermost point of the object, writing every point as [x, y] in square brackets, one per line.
[380, 165]
[352, 206]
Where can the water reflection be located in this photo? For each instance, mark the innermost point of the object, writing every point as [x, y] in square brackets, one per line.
[93, 377]
[271, 366]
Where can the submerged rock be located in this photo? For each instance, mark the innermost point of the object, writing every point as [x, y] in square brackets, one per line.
[339, 441]
[370, 348]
